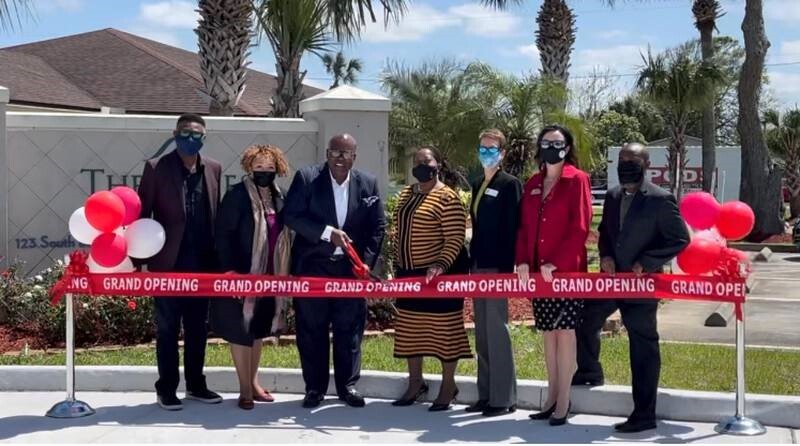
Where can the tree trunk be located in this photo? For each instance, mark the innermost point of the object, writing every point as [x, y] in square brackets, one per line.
[761, 178]
[709, 121]
[677, 159]
[286, 101]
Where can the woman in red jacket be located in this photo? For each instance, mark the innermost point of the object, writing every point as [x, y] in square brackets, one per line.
[555, 215]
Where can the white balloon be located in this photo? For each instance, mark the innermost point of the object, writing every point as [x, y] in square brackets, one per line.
[145, 238]
[80, 228]
[125, 267]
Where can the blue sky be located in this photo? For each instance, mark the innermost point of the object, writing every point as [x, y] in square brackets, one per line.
[608, 39]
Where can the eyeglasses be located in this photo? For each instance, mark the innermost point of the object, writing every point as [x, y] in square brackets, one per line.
[546, 144]
[337, 153]
[191, 134]
[491, 150]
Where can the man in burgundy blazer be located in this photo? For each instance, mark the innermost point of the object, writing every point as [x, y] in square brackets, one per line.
[181, 191]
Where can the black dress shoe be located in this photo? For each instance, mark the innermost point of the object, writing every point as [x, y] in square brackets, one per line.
[204, 396]
[591, 382]
[423, 389]
[479, 406]
[543, 415]
[353, 398]
[490, 411]
[630, 427]
[563, 420]
[312, 399]
[439, 407]
[169, 402]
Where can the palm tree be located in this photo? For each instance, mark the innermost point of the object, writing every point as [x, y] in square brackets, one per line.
[761, 178]
[783, 139]
[294, 27]
[223, 36]
[342, 69]
[706, 13]
[433, 104]
[11, 12]
[675, 82]
[555, 38]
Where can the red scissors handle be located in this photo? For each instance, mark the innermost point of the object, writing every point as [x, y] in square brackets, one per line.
[360, 269]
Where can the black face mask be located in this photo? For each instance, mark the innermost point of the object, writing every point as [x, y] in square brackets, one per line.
[552, 155]
[263, 179]
[630, 172]
[424, 173]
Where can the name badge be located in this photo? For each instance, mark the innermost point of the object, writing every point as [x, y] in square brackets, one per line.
[536, 191]
[491, 192]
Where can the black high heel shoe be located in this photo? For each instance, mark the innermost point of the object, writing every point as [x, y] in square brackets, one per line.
[563, 420]
[439, 407]
[543, 415]
[423, 389]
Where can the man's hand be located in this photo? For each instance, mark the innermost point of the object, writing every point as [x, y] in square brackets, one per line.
[433, 272]
[339, 238]
[547, 272]
[607, 265]
[638, 269]
[523, 272]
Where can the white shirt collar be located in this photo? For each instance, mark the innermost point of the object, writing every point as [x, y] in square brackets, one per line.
[344, 184]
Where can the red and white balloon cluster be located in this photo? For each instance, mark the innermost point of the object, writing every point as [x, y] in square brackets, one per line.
[714, 224]
[109, 222]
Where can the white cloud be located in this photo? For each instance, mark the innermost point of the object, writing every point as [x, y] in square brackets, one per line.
[783, 10]
[176, 14]
[486, 22]
[623, 58]
[165, 37]
[420, 21]
[52, 6]
[612, 34]
[786, 87]
[423, 19]
[790, 51]
[529, 50]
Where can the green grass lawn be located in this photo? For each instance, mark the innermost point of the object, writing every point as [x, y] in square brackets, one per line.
[684, 366]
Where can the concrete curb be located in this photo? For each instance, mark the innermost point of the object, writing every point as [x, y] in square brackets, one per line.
[721, 315]
[772, 410]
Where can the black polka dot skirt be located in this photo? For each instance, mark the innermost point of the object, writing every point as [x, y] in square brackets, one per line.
[557, 314]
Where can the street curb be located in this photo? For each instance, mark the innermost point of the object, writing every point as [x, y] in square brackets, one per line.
[682, 405]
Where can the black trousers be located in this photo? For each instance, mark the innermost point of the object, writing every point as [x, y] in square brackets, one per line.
[641, 323]
[315, 317]
[170, 313]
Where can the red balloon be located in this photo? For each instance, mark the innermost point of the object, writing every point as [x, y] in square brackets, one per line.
[132, 202]
[700, 210]
[700, 257]
[109, 250]
[104, 211]
[736, 220]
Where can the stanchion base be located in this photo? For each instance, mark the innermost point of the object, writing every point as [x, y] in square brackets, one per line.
[70, 409]
[739, 425]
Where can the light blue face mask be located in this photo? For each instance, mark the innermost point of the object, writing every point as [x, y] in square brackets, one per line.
[489, 157]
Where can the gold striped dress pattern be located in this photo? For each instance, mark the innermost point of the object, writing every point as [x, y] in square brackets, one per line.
[430, 232]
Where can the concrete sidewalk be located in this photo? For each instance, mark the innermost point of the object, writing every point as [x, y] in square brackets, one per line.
[133, 417]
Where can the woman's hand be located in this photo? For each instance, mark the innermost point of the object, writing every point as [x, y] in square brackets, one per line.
[433, 272]
[547, 272]
[279, 323]
[523, 272]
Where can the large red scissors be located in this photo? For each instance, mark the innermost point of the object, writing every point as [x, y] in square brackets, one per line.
[360, 269]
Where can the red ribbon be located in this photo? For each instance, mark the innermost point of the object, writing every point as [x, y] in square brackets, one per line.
[76, 268]
[732, 268]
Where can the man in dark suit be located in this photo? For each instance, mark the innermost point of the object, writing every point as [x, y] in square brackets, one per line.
[641, 231]
[181, 191]
[328, 206]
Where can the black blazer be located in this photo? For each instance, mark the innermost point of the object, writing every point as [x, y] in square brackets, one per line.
[494, 231]
[310, 207]
[653, 233]
[235, 227]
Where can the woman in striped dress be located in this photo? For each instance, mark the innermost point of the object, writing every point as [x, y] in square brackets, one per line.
[429, 236]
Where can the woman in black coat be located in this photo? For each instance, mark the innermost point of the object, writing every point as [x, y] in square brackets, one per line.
[251, 239]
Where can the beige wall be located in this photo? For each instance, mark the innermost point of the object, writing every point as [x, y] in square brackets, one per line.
[55, 161]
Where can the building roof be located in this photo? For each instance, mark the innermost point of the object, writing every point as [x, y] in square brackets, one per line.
[689, 141]
[116, 69]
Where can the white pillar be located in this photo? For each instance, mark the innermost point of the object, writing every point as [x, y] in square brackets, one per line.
[4, 181]
[360, 113]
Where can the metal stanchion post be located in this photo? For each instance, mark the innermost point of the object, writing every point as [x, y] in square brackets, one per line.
[739, 424]
[70, 407]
